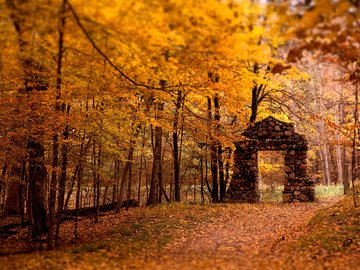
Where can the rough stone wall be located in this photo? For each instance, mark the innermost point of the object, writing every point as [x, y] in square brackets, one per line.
[271, 134]
[298, 186]
[244, 186]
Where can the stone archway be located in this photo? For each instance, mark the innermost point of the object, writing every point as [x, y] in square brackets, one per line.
[271, 134]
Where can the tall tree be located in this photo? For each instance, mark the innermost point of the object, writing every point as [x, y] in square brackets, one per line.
[176, 146]
[35, 80]
[156, 175]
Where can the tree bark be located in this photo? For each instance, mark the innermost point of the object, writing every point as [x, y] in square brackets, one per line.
[77, 203]
[3, 188]
[126, 172]
[53, 189]
[176, 148]
[202, 179]
[55, 163]
[37, 189]
[355, 135]
[156, 176]
[155, 181]
[98, 181]
[344, 163]
[35, 79]
[323, 143]
[62, 180]
[141, 166]
[254, 104]
[213, 158]
[73, 180]
[12, 204]
[219, 150]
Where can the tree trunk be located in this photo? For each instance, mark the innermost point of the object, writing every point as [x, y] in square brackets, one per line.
[156, 172]
[219, 150]
[254, 104]
[160, 175]
[126, 172]
[55, 162]
[206, 171]
[355, 135]
[257, 94]
[176, 148]
[323, 143]
[73, 180]
[3, 188]
[98, 181]
[115, 184]
[22, 192]
[35, 80]
[53, 189]
[118, 182]
[63, 178]
[156, 176]
[214, 158]
[79, 174]
[37, 189]
[339, 160]
[325, 164]
[12, 206]
[202, 179]
[344, 163]
[129, 187]
[77, 203]
[94, 175]
[139, 183]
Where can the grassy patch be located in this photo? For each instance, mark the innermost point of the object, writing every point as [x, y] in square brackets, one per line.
[91, 247]
[324, 192]
[270, 193]
[334, 229]
[155, 227]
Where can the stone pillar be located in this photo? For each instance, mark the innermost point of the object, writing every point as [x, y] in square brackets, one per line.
[298, 186]
[244, 186]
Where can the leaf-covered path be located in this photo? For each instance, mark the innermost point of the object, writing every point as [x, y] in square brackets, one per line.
[183, 236]
[239, 237]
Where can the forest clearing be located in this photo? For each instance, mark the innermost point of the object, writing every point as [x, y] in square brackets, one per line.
[179, 134]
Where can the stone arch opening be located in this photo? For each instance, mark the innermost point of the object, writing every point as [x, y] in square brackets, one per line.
[271, 134]
[271, 175]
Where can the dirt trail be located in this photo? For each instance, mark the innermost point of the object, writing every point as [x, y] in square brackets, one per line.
[238, 238]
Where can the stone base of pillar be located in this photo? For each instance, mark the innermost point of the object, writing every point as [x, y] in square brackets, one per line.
[300, 190]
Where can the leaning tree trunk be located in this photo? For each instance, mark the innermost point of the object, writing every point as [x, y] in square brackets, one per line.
[126, 174]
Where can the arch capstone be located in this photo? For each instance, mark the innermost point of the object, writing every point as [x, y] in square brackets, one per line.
[271, 134]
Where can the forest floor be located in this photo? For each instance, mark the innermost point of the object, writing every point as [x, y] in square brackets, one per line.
[321, 235]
